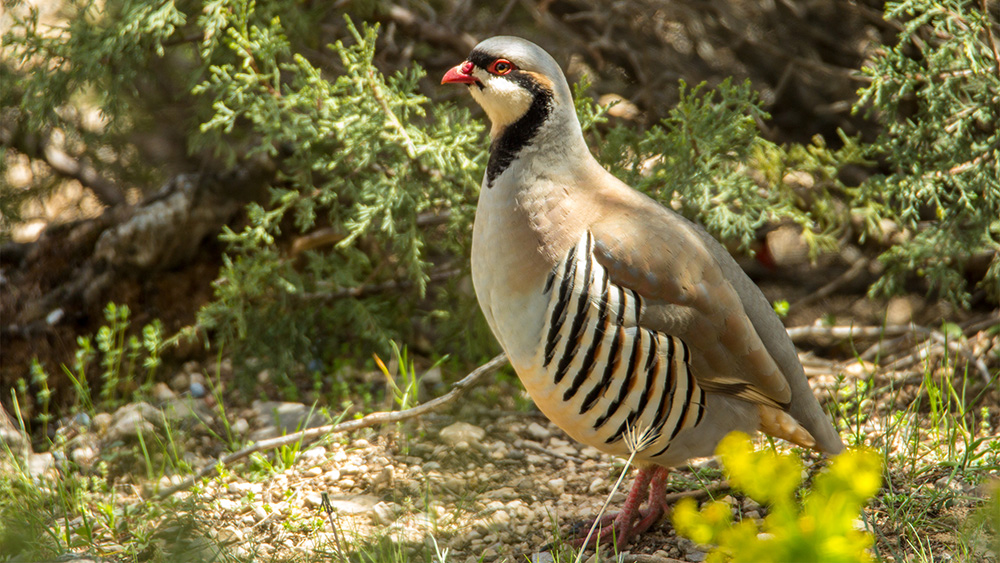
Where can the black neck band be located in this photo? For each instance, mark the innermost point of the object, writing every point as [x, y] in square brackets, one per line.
[517, 135]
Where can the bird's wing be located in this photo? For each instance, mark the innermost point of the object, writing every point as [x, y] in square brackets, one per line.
[691, 291]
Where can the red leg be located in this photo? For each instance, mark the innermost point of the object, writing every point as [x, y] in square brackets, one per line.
[620, 528]
[656, 504]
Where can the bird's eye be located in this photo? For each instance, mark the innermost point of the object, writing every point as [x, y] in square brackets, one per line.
[501, 67]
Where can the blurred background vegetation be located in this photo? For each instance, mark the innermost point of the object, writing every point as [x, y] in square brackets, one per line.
[208, 202]
[286, 184]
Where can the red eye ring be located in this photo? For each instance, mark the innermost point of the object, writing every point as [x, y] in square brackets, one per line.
[501, 67]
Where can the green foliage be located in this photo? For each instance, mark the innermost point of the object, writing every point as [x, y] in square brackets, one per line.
[370, 190]
[820, 527]
[363, 168]
[708, 160]
[936, 94]
[86, 81]
[127, 364]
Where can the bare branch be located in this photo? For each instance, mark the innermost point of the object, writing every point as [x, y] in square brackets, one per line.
[42, 148]
[372, 419]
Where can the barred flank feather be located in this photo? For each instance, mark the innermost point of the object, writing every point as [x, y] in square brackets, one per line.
[613, 373]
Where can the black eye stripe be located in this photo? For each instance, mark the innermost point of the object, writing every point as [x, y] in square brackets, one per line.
[481, 59]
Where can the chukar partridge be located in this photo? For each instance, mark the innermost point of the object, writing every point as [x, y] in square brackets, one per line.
[616, 312]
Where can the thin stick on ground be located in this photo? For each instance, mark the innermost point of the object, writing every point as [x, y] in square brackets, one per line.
[372, 419]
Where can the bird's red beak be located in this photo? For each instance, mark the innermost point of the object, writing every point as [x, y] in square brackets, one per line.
[461, 74]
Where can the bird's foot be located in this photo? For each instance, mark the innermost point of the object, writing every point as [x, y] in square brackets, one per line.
[620, 528]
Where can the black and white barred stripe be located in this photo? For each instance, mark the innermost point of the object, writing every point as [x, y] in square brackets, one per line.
[614, 373]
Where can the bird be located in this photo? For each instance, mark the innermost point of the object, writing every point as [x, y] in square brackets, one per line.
[619, 315]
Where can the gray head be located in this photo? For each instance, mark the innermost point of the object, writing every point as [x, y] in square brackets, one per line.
[526, 97]
[510, 77]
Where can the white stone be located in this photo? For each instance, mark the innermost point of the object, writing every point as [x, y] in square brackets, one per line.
[462, 432]
[353, 504]
[314, 456]
[538, 432]
[313, 500]
[385, 513]
[258, 511]
[557, 486]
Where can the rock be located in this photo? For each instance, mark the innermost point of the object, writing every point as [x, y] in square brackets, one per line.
[384, 477]
[197, 390]
[503, 493]
[498, 450]
[11, 436]
[351, 469]
[84, 456]
[332, 476]
[566, 450]
[538, 432]
[162, 393]
[313, 456]
[686, 545]
[258, 511]
[274, 418]
[557, 486]
[229, 535]
[314, 472]
[130, 420]
[598, 486]
[313, 500]
[180, 381]
[39, 464]
[227, 505]
[542, 557]
[900, 310]
[353, 504]
[241, 426]
[385, 513]
[102, 421]
[462, 432]
[82, 419]
[187, 411]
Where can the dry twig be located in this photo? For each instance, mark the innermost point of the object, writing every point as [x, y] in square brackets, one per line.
[372, 419]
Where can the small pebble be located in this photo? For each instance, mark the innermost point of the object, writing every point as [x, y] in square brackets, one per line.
[197, 390]
[538, 432]
[557, 486]
[462, 432]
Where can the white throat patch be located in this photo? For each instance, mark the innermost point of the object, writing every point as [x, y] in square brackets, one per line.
[503, 100]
